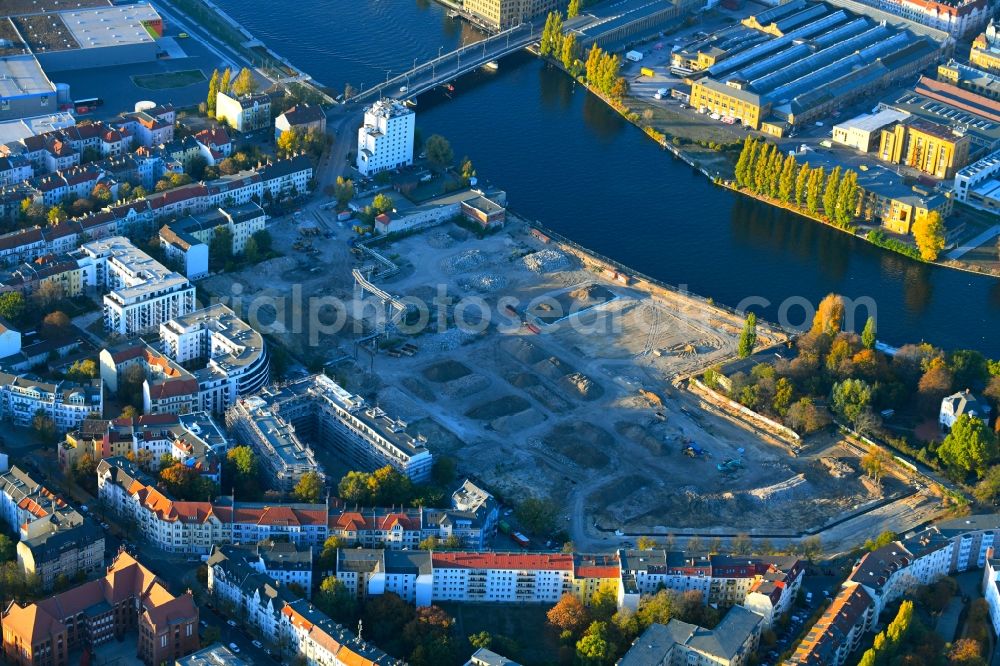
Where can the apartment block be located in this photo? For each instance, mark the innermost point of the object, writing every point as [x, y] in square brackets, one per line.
[932, 148]
[208, 358]
[385, 140]
[141, 292]
[194, 527]
[731, 643]
[244, 114]
[978, 184]
[894, 570]
[130, 599]
[242, 221]
[502, 14]
[279, 421]
[280, 616]
[193, 439]
[56, 540]
[66, 403]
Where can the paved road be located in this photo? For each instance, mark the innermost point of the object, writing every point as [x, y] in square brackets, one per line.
[973, 243]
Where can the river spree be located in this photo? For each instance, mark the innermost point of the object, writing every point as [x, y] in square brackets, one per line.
[568, 161]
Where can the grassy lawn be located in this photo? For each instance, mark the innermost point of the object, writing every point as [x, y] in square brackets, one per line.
[538, 641]
[167, 80]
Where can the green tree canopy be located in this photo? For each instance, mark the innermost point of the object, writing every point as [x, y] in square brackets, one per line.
[969, 447]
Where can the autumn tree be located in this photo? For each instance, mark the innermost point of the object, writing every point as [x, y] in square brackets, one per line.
[382, 203]
[814, 189]
[551, 41]
[573, 10]
[873, 463]
[43, 426]
[830, 193]
[747, 158]
[868, 334]
[224, 81]
[12, 306]
[343, 190]
[805, 417]
[568, 54]
[935, 383]
[55, 325]
[310, 488]
[245, 84]
[569, 614]
[83, 370]
[801, 183]
[829, 317]
[786, 182]
[929, 233]
[213, 93]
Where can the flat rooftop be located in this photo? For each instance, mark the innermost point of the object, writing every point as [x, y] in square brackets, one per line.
[870, 122]
[45, 33]
[14, 7]
[147, 276]
[110, 26]
[235, 344]
[22, 76]
[22, 128]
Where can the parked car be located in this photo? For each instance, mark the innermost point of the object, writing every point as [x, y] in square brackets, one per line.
[258, 645]
[231, 623]
[234, 647]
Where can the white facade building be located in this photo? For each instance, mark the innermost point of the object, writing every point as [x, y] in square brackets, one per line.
[141, 292]
[385, 141]
[978, 184]
[66, 403]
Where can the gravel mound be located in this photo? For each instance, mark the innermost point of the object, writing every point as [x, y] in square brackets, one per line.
[484, 282]
[546, 261]
[464, 262]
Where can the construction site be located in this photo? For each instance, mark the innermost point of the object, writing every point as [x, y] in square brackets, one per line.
[567, 381]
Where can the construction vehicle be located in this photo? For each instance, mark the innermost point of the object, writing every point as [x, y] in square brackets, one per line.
[692, 449]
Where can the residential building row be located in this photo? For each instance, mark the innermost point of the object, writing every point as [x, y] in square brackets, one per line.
[271, 182]
[129, 599]
[766, 586]
[193, 439]
[186, 241]
[194, 527]
[892, 571]
[958, 18]
[66, 403]
[985, 51]
[278, 615]
[206, 359]
[279, 421]
[56, 542]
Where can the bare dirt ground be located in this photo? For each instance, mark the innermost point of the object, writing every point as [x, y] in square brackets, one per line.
[584, 411]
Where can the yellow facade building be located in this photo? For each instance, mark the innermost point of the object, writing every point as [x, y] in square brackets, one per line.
[929, 147]
[508, 13]
[985, 51]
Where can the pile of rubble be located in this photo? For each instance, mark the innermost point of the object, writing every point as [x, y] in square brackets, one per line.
[546, 261]
[484, 282]
[464, 262]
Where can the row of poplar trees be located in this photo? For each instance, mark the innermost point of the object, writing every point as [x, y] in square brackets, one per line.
[762, 170]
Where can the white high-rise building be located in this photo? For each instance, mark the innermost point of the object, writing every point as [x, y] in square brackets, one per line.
[385, 141]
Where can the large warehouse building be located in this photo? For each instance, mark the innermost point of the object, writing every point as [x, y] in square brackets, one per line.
[106, 36]
[799, 61]
[25, 90]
